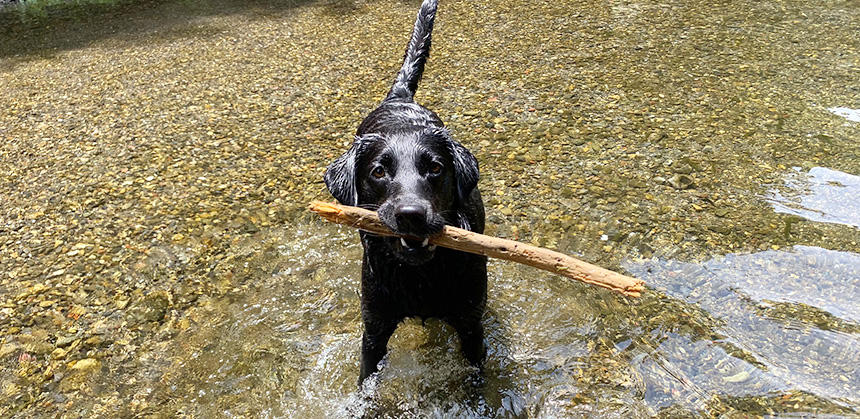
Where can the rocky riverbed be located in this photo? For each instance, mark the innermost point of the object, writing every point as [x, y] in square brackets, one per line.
[156, 159]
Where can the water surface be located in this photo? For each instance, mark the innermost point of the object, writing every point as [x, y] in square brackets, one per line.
[156, 257]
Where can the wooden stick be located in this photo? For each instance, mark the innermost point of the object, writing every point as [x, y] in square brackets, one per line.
[469, 241]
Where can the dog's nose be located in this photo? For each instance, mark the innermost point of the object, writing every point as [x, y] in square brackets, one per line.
[411, 218]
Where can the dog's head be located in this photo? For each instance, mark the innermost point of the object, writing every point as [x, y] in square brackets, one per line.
[417, 180]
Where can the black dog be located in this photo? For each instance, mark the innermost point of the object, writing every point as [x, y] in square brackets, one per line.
[405, 164]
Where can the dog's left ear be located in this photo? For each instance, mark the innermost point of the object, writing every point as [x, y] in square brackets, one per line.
[465, 169]
[340, 176]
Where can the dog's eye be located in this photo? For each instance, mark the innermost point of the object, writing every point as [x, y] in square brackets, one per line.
[378, 172]
[435, 169]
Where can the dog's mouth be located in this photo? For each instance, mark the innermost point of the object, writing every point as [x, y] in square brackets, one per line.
[413, 250]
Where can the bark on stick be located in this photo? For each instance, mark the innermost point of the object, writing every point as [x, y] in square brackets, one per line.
[494, 247]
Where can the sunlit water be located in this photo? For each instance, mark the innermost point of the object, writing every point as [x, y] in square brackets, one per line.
[707, 337]
[772, 332]
[756, 299]
[822, 194]
[847, 113]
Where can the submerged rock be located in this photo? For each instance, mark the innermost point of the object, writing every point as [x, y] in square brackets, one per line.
[152, 308]
[681, 181]
[80, 373]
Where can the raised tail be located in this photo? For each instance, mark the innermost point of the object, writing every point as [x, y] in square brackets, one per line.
[416, 55]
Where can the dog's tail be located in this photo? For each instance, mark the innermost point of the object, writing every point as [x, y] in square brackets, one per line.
[417, 52]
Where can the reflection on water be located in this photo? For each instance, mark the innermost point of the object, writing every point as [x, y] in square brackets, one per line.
[759, 333]
[847, 113]
[830, 278]
[821, 195]
[789, 322]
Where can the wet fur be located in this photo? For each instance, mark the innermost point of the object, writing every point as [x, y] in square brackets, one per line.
[405, 138]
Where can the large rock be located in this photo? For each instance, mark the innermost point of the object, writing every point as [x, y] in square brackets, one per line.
[80, 373]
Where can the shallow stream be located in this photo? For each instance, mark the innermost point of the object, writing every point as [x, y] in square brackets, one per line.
[157, 157]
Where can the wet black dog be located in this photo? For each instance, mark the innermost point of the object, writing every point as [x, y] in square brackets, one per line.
[405, 164]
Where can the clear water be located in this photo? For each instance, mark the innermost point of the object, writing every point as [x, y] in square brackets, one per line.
[762, 345]
[581, 113]
[847, 113]
[752, 332]
[821, 194]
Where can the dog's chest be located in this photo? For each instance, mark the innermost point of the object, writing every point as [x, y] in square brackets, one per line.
[442, 287]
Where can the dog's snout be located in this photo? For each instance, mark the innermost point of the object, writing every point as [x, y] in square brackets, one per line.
[411, 218]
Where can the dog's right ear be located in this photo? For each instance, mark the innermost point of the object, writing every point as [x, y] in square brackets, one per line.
[340, 174]
[340, 177]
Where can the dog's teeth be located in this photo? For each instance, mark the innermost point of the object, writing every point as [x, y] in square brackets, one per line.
[403, 242]
[432, 247]
[424, 243]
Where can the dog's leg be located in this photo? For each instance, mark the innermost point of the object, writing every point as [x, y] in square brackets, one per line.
[374, 345]
[471, 333]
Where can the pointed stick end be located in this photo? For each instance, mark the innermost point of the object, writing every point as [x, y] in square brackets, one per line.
[324, 209]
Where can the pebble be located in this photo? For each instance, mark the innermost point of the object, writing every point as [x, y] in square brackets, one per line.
[58, 353]
[680, 181]
[80, 373]
[738, 378]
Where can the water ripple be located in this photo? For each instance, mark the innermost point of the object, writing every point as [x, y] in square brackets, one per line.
[823, 194]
